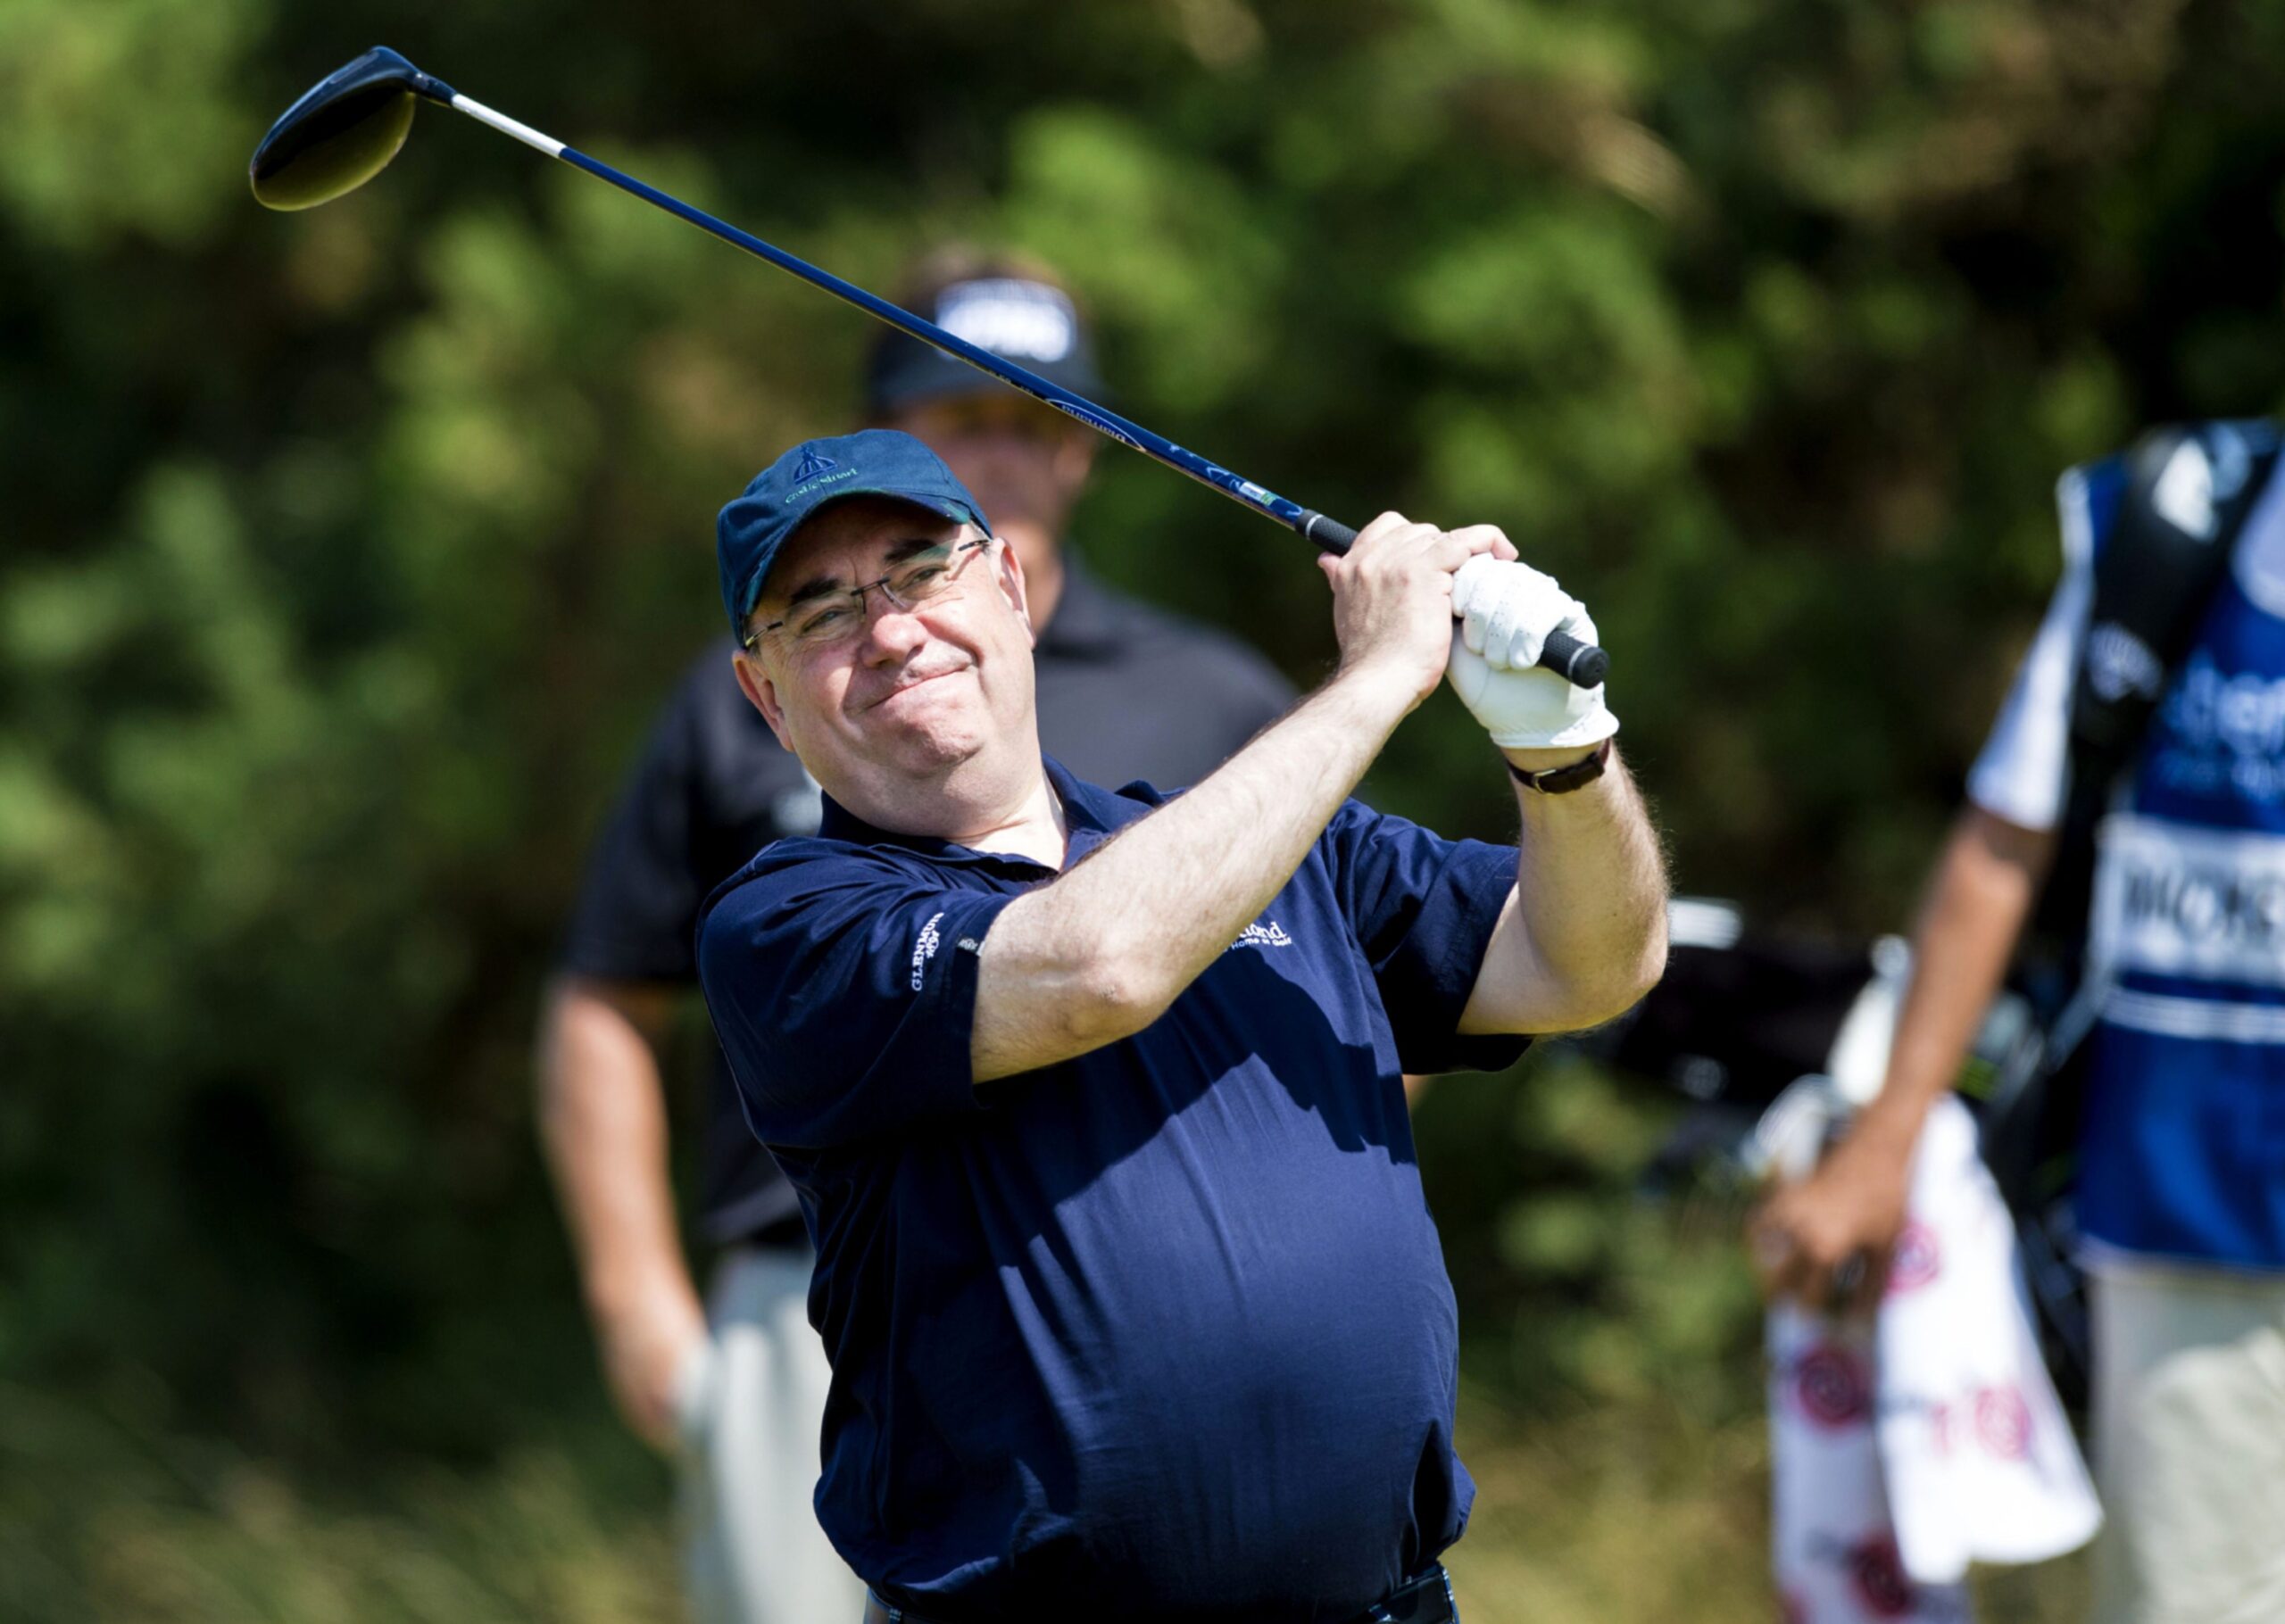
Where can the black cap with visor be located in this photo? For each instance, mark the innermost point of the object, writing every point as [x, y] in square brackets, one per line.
[1034, 324]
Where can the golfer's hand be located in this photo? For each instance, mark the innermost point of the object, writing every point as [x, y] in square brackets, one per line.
[1506, 611]
[645, 1350]
[1392, 598]
[1826, 1241]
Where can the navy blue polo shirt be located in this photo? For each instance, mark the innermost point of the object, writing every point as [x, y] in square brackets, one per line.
[1162, 1329]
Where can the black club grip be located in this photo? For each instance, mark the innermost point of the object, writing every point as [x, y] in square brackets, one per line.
[1580, 664]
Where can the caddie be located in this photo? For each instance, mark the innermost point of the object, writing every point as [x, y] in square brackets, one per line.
[2180, 1198]
[1092, 1098]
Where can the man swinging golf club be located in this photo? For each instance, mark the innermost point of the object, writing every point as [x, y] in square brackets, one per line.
[1131, 1295]
[1092, 1098]
[734, 1383]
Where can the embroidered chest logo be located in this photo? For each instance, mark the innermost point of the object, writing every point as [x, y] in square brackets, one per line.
[924, 948]
[1270, 935]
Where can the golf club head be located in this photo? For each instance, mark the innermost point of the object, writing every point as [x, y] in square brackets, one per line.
[341, 133]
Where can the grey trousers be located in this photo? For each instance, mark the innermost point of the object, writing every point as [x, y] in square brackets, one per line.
[751, 1402]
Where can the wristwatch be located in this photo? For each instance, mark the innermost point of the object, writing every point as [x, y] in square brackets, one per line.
[1563, 780]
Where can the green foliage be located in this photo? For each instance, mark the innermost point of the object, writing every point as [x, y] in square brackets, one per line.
[1580, 1292]
[348, 551]
[105, 1512]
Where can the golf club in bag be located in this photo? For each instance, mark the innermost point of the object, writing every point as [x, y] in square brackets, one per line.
[346, 128]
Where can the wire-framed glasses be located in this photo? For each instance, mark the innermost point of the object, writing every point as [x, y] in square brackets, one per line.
[834, 617]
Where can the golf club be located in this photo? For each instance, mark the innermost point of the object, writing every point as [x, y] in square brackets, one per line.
[346, 128]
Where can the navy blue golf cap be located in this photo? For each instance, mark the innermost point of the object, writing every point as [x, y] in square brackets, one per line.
[1032, 323]
[871, 462]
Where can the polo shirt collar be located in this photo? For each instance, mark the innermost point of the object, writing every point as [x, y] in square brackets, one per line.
[1092, 815]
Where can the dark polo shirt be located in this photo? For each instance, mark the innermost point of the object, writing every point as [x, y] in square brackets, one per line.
[1160, 1332]
[1126, 691]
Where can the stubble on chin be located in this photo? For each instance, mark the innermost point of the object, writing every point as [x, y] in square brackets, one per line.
[937, 735]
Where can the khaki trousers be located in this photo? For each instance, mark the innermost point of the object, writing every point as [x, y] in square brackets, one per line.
[2190, 1445]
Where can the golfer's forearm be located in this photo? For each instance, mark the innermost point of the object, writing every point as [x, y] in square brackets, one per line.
[604, 1124]
[1584, 932]
[1985, 884]
[1100, 953]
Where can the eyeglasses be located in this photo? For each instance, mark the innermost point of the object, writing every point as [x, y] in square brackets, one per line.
[835, 616]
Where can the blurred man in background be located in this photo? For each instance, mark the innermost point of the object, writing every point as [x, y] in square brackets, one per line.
[736, 1387]
[2181, 1192]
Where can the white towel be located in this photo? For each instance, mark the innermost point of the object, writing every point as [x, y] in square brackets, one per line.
[1903, 1449]
[1978, 1456]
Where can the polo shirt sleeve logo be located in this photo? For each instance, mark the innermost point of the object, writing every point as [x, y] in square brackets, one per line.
[924, 948]
[1270, 935]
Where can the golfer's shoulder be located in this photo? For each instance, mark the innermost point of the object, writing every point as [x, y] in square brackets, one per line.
[802, 881]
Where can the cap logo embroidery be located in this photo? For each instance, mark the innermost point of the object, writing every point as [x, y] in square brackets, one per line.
[814, 463]
[804, 488]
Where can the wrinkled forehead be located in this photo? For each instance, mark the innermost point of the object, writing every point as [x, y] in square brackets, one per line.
[848, 542]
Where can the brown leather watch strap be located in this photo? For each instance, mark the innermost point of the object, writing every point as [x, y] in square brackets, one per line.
[1563, 780]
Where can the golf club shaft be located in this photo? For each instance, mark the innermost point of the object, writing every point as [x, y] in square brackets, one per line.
[1578, 662]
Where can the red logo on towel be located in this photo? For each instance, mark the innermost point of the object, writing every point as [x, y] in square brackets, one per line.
[1917, 1259]
[1940, 1425]
[1831, 1385]
[2003, 1422]
[1876, 1573]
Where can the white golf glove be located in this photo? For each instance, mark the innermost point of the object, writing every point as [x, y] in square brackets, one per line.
[1506, 611]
